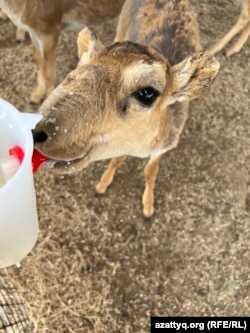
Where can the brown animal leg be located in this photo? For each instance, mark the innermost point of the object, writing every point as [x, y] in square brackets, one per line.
[39, 90]
[45, 64]
[150, 173]
[49, 45]
[3, 16]
[240, 42]
[108, 175]
[238, 26]
[20, 35]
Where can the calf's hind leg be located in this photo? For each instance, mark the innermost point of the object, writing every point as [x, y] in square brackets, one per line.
[45, 57]
[237, 27]
[236, 47]
[20, 35]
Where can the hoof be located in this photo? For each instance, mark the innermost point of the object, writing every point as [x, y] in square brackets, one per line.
[36, 99]
[33, 102]
[148, 219]
[230, 53]
[98, 195]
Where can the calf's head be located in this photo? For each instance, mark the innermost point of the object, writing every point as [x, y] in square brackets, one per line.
[113, 103]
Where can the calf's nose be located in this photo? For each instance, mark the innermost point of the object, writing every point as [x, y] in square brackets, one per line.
[39, 136]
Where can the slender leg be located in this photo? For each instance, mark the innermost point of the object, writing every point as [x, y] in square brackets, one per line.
[108, 175]
[150, 173]
[238, 26]
[3, 16]
[20, 35]
[39, 90]
[44, 57]
[49, 46]
[236, 47]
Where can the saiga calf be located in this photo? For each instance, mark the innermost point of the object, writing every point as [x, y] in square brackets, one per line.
[45, 19]
[242, 24]
[130, 98]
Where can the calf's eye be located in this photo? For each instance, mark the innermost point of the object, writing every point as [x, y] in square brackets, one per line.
[146, 96]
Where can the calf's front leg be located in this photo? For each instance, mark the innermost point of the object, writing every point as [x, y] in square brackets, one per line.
[108, 176]
[150, 173]
[3, 16]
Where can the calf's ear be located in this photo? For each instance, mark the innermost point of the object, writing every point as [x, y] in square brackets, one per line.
[193, 76]
[88, 45]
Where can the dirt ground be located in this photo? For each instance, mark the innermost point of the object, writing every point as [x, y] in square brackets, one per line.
[97, 266]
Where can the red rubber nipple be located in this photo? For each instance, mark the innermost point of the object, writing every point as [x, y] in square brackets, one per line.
[37, 158]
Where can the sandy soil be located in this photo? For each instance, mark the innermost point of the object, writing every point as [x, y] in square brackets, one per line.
[97, 266]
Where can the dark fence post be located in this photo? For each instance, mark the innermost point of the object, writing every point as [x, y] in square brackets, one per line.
[13, 316]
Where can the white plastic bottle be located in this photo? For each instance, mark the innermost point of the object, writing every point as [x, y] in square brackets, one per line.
[18, 211]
